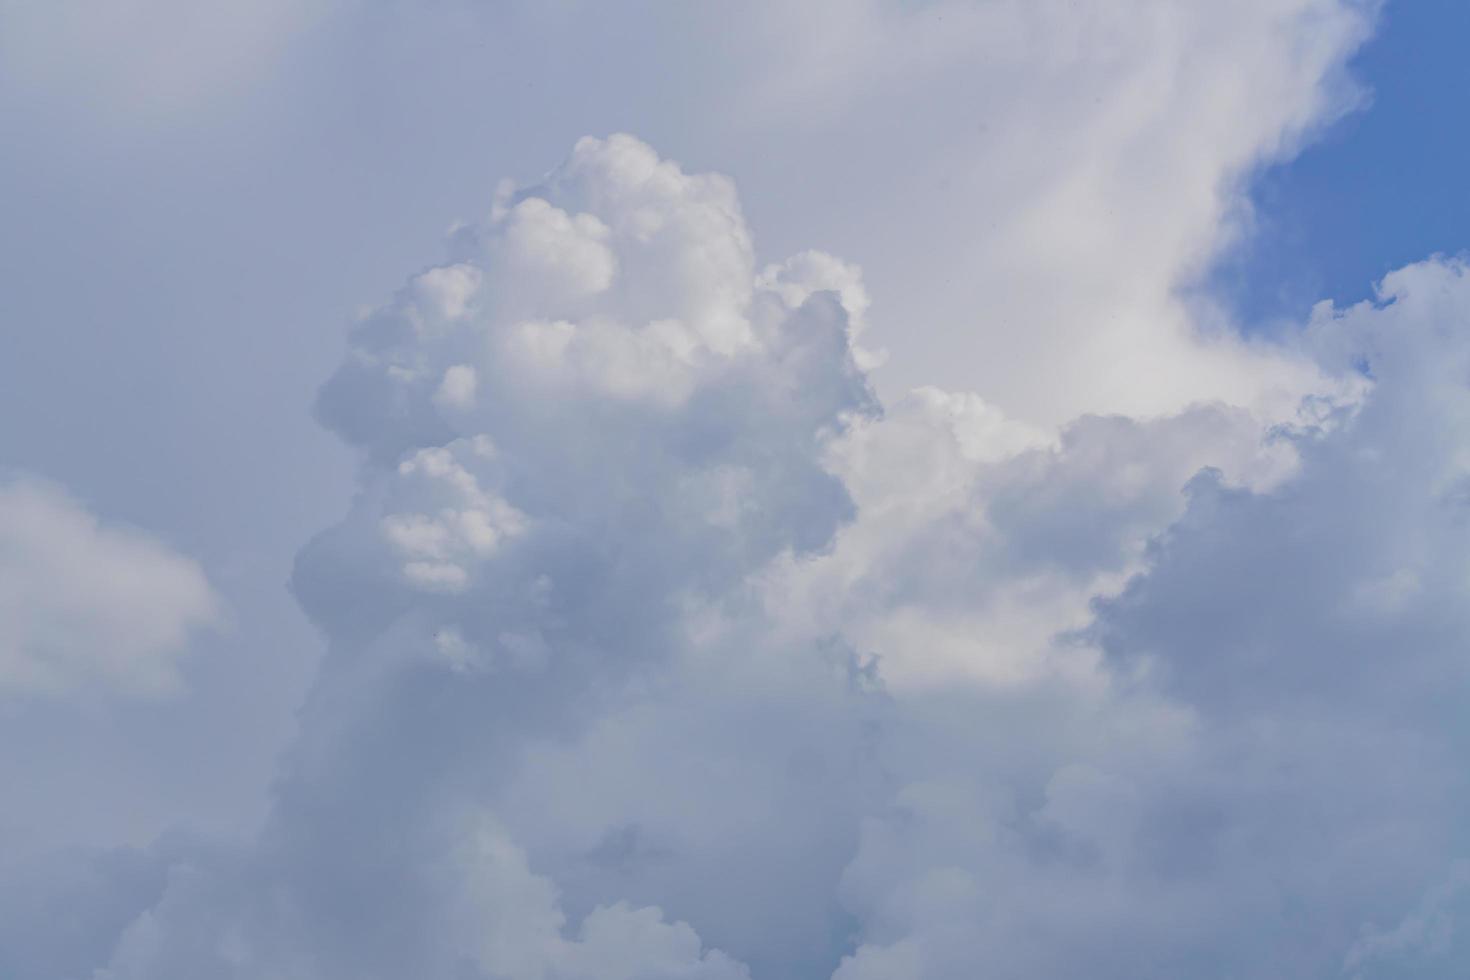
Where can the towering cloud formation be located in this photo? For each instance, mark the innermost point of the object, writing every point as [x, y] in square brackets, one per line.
[584, 436]
[660, 650]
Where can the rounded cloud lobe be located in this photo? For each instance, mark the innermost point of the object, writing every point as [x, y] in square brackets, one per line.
[660, 649]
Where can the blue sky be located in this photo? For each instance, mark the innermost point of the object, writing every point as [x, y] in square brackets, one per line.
[581, 491]
[1369, 195]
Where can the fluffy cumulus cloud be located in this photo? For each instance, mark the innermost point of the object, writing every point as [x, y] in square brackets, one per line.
[583, 435]
[86, 607]
[661, 649]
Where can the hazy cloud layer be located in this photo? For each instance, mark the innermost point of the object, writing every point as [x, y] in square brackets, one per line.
[87, 607]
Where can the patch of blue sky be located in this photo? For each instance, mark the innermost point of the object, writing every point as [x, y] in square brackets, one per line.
[1383, 187]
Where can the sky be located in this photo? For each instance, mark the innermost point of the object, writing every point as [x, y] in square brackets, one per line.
[1367, 196]
[849, 490]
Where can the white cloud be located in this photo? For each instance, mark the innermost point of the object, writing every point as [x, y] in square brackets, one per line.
[658, 647]
[457, 390]
[90, 607]
[1268, 766]
[849, 692]
[1046, 177]
[528, 555]
[441, 521]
